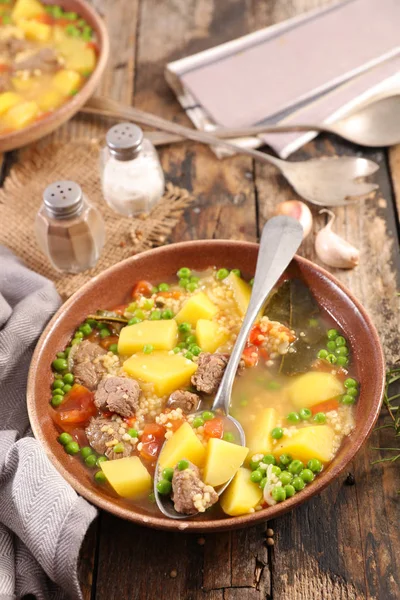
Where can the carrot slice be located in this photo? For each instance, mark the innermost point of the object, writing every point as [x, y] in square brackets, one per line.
[325, 406]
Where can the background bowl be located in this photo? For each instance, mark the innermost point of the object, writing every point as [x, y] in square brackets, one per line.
[37, 130]
[113, 287]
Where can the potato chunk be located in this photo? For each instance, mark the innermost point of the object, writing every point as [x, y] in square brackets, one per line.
[210, 335]
[162, 335]
[223, 459]
[38, 32]
[27, 9]
[183, 444]
[315, 441]
[196, 307]
[312, 388]
[8, 100]
[241, 494]
[167, 372]
[258, 431]
[77, 54]
[21, 115]
[66, 81]
[241, 292]
[49, 100]
[128, 476]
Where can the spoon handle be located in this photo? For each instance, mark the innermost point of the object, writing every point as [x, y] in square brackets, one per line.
[280, 239]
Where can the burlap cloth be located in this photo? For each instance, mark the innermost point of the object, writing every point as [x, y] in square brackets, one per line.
[21, 197]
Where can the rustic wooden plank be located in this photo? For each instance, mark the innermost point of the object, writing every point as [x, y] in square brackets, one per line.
[87, 560]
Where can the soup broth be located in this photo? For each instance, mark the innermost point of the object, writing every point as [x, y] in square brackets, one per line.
[136, 385]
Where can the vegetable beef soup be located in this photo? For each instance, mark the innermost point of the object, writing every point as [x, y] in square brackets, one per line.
[145, 373]
[46, 55]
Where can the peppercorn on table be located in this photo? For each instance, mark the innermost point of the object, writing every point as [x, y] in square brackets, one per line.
[345, 542]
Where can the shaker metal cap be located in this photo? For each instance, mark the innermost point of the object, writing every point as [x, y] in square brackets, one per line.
[63, 199]
[124, 140]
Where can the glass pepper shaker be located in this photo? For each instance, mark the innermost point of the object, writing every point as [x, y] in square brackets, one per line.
[131, 174]
[69, 230]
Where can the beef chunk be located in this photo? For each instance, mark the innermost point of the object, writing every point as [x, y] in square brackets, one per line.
[189, 493]
[101, 431]
[187, 401]
[45, 60]
[210, 370]
[12, 46]
[86, 369]
[118, 394]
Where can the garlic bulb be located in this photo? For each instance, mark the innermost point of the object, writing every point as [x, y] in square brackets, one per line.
[334, 250]
[299, 211]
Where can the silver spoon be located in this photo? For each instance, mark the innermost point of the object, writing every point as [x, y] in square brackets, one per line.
[330, 181]
[279, 242]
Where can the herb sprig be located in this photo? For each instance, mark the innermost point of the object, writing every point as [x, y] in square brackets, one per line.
[392, 404]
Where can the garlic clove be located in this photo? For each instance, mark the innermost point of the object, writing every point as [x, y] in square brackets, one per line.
[333, 250]
[297, 210]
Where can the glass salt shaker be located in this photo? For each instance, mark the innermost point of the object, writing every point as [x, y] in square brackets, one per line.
[69, 230]
[131, 174]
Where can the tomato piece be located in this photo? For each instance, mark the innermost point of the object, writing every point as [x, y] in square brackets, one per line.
[176, 424]
[325, 406]
[120, 309]
[250, 356]
[254, 336]
[152, 439]
[94, 47]
[175, 294]
[264, 354]
[326, 367]
[142, 288]
[214, 428]
[108, 341]
[4, 68]
[130, 421]
[76, 408]
[46, 19]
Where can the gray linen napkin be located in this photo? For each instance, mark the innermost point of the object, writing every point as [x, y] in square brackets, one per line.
[42, 520]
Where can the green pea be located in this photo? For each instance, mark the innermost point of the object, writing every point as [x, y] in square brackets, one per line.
[190, 339]
[57, 384]
[184, 327]
[69, 378]
[352, 392]
[72, 448]
[184, 283]
[347, 400]
[60, 354]
[192, 286]
[313, 323]
[342, 351]
[340, 341]
[148, 304]
[139, 314]
[67, 388]
[99, 477]
[314, 465]
[163, 287]
[151, 497]
[86, 451]
[6, 20]
[168, 473]
[207, 415]
[134, 321]
[244, 402]
[236, 272]
[78, 335]
[86, 329]
[295, 467]
[342, 361]
[298, 484]
[113, 348]
[65, 438]
[155, 315]
[75, 342]
[350, 383]
[254, 464]
[182, 345]
[307, 475]
[331, 346]
[90, 461]
[305, 414]
[293, 418]
[320, 417]
[256, 476]
[285, 477]
[222, 274]
[118, 448]
[251, 282]
[105, 332]
[332, 359]
[154, 290]
[72, 31]
[176, 350]
[278, 494]
[189, 355]
[148, 348]
[182, 465]
[269, 459]
[57, 400]
[167, 314]
[195, 350]
[322, 354]
[332, 334]
[277, 433]
[132, 307]
[285, 459]
[164, 487]
[101, 459]
[71, 16]
[133, 432]
[93, 322]
[228, 437]
[198, 422]
[184, 272]
[273, 385]
[289, 490]
[276, 470]
[59, 364]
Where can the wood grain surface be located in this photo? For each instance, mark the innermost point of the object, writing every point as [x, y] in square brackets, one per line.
[343, 544]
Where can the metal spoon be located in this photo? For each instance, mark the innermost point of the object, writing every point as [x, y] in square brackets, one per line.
[280, 239]
[323, 181]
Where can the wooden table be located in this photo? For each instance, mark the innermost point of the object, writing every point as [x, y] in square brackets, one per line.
[343, 544]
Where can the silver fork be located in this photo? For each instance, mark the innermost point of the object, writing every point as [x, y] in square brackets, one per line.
[327, 181]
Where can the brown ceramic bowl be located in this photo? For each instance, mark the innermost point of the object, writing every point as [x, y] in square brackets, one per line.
[37, 130]
[113, 287]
